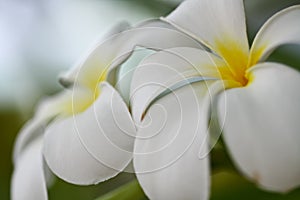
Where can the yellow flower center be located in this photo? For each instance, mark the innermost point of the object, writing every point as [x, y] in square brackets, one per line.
[236, 59]
[82, 97]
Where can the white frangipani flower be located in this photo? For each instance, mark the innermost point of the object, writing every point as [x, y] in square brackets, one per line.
[255, 102]
[67, 152]
[91, 138]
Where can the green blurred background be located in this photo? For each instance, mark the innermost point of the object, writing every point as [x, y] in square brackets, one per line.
[40, 38]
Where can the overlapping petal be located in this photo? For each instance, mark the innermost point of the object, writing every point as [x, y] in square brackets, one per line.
[101, 61]
[218, 24]
[60, 104]
[31, 130]
[94, 145]
[261, 126]
[106, 129]
[166, 157]
[126, 71]
[282, 28]
[28, 181]
[30, 175]
[170, 68]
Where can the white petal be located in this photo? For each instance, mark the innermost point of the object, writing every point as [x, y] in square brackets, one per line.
[68, 158]
[28, 180]
[107, 130]
[211, 127]
[46, 110]
[262, 126]
[167, 68]
[218, 24]
[91, 146]
[31, 130]
[68, 78]
[166, 150]
[126, 70]
[282, 28]
[101, 61]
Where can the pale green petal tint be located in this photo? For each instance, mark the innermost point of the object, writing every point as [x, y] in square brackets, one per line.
[126, 71]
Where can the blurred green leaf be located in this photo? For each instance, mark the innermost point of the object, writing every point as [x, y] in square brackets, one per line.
[288, 55]
[231, 185]
[129, 191]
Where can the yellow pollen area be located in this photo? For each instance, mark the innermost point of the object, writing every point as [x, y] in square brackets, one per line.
[77, 102]
[236, 59]
[80, 99]
[256, 55]
[93, 78]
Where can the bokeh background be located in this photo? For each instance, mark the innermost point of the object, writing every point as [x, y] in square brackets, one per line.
[39, 39]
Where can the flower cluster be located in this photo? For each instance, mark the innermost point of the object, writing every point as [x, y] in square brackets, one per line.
[158, 111]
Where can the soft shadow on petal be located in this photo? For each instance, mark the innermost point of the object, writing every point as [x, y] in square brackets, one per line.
[166, 69]
[94, 145]
[261, 126]
[106, 129]
[31, 130]
[126, 70]
[47, 109]
[67, 157]
[282, 28]
[166, 150]
[28, 180]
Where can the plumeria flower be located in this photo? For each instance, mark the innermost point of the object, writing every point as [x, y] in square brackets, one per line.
[90, 138]
[63, 148]
[256, 103]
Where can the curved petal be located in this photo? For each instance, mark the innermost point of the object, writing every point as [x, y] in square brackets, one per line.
[160, 71]
[68, 78]
[261, 126]
[166, 149]
[211, 128]
[65, 103]
[101, 61]
[106, 129]
[48, 108]
[31, 130]
[94, 145]
[28, 181]
[68, 158]
[126, 70]
[282, 28]
[218, 24]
